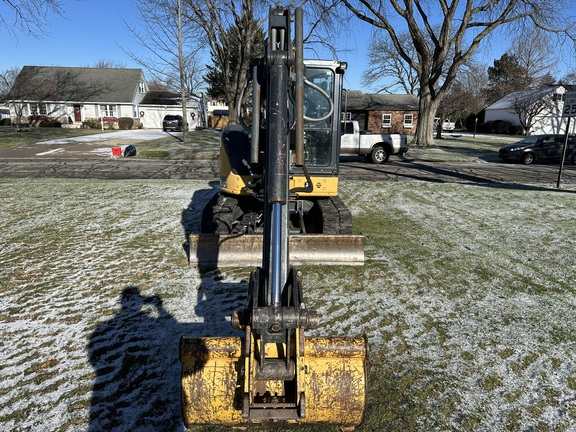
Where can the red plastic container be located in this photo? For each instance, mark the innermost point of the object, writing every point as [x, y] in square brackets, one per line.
[116, 151]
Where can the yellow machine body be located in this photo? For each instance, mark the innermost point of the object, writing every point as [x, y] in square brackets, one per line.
[235, 184]
[332, 380]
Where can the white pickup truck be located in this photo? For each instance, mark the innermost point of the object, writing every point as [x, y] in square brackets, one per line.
[447, 125]
[375, 147]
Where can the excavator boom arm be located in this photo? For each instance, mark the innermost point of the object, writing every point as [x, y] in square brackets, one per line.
[274, 373]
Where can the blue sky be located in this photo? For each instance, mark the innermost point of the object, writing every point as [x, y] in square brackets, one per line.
[92, 30]
[87, 32]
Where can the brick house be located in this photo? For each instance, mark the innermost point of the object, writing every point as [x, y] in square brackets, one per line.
[381, 113]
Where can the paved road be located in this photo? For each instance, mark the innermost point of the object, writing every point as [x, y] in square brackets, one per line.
[109, 168]
[493, 173]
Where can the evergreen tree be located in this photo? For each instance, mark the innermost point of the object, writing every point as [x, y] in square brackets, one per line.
[505, 77]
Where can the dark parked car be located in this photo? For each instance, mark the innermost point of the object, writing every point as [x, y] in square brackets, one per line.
[172, 122]
[542, 148]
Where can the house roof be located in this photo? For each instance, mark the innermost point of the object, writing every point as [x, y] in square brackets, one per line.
[534, 93]
[79, 84]
[355, 100]
[167, 98]
[161, 98]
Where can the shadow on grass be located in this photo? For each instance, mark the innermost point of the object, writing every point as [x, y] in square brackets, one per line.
[437, 174]
[135, 354]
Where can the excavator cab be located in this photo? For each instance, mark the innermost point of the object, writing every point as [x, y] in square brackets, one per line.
[320, 224]
[278, 178]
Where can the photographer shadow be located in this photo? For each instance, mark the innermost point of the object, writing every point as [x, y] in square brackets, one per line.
[135, 354]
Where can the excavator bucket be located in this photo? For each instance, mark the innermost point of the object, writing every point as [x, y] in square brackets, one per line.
[332, 383]
[335, 380]
[229, 250]
[211, 393]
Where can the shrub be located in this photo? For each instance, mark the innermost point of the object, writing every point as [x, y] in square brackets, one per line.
[91, 123]
[501, 126]
[516, 130]
[504, 127]
[50, 123]
[6, 122]
[471, 122]
[125, 123]
[485, 127]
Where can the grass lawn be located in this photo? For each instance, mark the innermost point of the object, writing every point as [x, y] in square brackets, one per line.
[466, 297]
[202, 144]
[461, 148]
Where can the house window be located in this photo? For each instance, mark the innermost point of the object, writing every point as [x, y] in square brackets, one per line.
[408, 120]
[141, 87]
[386, 120]
[38, 109]
[108, 110]
[346, 116]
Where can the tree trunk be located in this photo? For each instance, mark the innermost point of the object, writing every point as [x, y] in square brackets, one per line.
[425, 130]
[181, 68]
[233, 113]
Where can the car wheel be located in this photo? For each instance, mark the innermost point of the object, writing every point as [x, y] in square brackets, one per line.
[379, 155]
[573, 159]
[528, 158]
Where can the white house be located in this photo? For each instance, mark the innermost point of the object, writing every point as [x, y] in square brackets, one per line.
[538, 108]
[75, 94]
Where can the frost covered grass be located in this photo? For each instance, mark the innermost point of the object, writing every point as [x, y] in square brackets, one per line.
[461, 148]
[467, 299]
[10, 137]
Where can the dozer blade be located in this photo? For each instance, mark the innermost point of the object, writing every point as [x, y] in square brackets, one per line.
[229, 250]
[332, 377]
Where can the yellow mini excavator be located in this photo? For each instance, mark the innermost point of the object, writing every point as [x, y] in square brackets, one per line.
[278, 197]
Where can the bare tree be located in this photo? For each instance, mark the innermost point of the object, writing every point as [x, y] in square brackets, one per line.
[531, 103]
[455, 36]
[216, 19]
[532, 49]
[157, 33]
[28, 15]
[231, 29]
[387, 69]
[171, 41]
[109, 64]
[569, 78]
[7, 79]
[473, 80]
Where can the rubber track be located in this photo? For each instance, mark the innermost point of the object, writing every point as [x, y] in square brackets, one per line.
[336, 217]
[218, 215]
